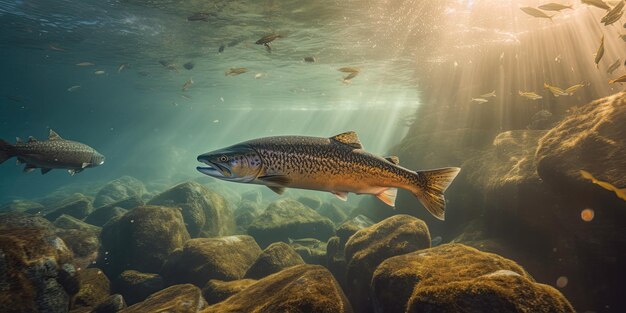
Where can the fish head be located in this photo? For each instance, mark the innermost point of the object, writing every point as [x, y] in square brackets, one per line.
[97, 159]
[238, 163]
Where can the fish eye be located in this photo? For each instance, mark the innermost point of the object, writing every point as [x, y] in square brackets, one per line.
[223, 158]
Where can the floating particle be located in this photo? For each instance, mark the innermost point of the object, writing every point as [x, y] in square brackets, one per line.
[561, 282]
[587, 215]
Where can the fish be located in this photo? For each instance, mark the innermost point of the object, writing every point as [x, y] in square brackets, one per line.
[479, 100]
[169, 65]
[600, 52]
[234, 42]
[85, 64]
[267, 39]
[99, 72]
[556, 91]
[614, 14]
[338, 165]
[221, 48]
[54, 153]
[186, 97]
[234, 71]
[554, 7]
[572, 89]
[597, 3]
[620, 193]
[621, 79]
[187, 84]
[309, 59]
[349, 77]
[189, 65]
[71, 89]
[488, 95]
[258, 75]
[121, 67]
[349, 69]
[198, 17]
[614, 66]
[530, 95]
[57, 48]
[536, 12]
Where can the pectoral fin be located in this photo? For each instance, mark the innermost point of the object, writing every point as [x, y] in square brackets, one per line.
[85, 165]
[343, 196]
[281, 180]
[278, 190]
[45, 170]
[388, 196]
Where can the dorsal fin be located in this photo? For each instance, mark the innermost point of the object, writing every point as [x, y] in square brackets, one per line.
[54, 135]
[349, 138]
[18, 140]
[32, 139]
[393, 159]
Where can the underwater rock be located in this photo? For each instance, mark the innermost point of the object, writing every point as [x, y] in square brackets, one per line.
[367, 248]
[112, 304]
[36, 273]
[206, 213]
[253, 195]
[119, 189]
[22, 206]
[84, 245]
[592, 138]
[302, 288]
[453, 276]
[246, 212]
[312, 201]
[105, 214]
[287, 218]
[335, 260]
[142, 240]
[216, 291]
[78, 208]
[351, 226]
[311, 250]
[128, 204]
[273, 259]
[185, 298]
[202, 259]
[68, 222]
[334, 212]
[137, 286]
[95, 288]
[541, 120]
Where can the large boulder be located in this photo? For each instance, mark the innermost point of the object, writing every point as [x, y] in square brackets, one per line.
[112, 304]
[137, 286]
[105, 214]
[175, 299]
[36, 273]
[274, 258]
[352, 226]
[453, 276]
[367, 248]
[80, 237]
[202, 259]
[205, 212]
[95, 288]
[141, 240]
[22, 206]
[119, 189]
[312, 251]
[69, 222]
[247, 211]
[287, 218]
[78, 208]
[302, 288]
[216, 291]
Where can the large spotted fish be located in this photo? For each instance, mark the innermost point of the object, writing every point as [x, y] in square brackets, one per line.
[54, 153]
[338, 165]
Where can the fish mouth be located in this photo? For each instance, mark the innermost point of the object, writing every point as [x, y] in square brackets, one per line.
[213, 169]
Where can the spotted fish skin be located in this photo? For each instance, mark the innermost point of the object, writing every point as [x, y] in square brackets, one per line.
[54, 153]
[337, 164]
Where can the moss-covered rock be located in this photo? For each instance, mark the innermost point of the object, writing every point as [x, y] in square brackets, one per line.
[452, 277]
[68, 222]
[175, 299]
[334, 212]
[137, 286]
[36, 273]
[351, 226]
[216, 291]
[274, 258]
[202, 259]
[95, 288]
[367, 248]
[287, 218]
[79, 208]
[206, 213]
[141, 240]
[22, 206]
[312, 251]
[247, 211]
[302, 288]
[312, 201]
[126, 203]
[253, 195]
[112, 304]
[105, 214]
[84, 245]
[119, 189]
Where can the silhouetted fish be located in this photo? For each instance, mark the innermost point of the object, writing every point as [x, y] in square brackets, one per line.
[55, 152]
[198, 17]
[337, 164]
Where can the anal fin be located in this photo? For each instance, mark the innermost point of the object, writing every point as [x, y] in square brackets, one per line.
[341, 195]
[388, 196]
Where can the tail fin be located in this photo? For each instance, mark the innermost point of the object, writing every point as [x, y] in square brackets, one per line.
[432, 185]
[5, 151]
